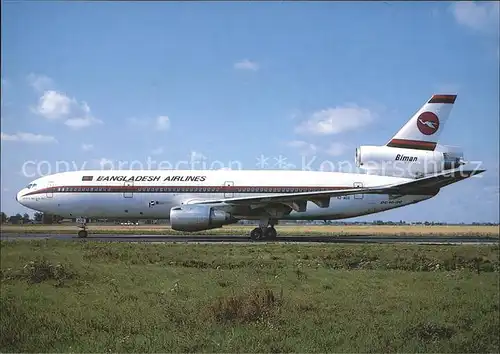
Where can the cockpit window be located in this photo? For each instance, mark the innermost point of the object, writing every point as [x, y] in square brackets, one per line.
[31, 185]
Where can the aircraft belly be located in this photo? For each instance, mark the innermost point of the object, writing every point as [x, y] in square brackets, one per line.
[349, 206]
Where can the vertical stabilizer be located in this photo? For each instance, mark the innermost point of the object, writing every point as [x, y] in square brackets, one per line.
[422, 131]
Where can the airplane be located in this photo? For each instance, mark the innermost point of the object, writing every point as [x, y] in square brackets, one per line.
[197, 200]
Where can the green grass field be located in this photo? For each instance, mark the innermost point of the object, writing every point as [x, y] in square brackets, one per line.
[89, 296]
[283, 230]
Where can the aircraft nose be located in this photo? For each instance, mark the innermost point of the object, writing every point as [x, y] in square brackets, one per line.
[18, 197]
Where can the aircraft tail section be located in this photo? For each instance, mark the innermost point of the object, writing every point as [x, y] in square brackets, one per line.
[422, 131]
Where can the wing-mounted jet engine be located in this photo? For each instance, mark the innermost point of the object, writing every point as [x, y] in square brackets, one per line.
[198, 218]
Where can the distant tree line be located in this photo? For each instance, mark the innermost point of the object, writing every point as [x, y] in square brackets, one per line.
[39, 218]
[43, 218]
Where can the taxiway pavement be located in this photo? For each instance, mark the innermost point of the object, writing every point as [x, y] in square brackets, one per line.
[244, 239]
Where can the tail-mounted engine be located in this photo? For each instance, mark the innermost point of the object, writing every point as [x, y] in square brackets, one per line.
[407, 162]
[453, 156]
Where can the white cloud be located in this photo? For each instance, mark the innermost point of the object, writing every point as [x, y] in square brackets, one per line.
[78, 123]
[336, 149]
[304, 147]
[162, 123]
[479, 16]
[336, 120]
[157, 151]
[87, 147]
[40, 82]
[246, 65]
[28, 138]
[55, 105]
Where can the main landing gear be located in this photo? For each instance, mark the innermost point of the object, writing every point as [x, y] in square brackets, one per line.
[83, 225]
[265, 231]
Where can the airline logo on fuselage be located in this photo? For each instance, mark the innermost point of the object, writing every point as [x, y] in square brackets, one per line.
[151, 178]
[400, 157]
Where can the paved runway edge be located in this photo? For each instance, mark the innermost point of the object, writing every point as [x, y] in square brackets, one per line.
[244, 239]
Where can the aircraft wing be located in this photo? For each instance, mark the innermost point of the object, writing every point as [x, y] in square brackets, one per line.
[425, 185]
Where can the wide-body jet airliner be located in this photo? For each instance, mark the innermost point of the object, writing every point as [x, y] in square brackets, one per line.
[410, 168]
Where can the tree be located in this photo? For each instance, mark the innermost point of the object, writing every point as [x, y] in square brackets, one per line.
[4, 218]
[15, 219]
[50, 218]
[38, 217]
[26, 218]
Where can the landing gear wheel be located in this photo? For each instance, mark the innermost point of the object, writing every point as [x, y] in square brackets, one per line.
[82, 233]
[256, 234]
[271, 233]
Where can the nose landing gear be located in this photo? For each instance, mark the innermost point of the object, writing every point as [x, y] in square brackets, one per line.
[83, 225]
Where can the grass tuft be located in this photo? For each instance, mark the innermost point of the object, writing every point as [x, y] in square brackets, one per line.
[251, 306]
[41, 270]
[430, 332]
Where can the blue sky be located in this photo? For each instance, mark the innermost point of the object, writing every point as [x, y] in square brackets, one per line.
[93, 83]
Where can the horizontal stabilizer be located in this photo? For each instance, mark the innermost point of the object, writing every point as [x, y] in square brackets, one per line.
[434, 182]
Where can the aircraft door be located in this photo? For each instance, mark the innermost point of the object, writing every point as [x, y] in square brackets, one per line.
[128, 191]
[358, 185]
[228, 192]
[50, 191]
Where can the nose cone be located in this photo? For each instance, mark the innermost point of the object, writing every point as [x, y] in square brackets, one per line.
[19, 197]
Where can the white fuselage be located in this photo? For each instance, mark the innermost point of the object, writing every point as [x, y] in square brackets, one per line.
[151, 194]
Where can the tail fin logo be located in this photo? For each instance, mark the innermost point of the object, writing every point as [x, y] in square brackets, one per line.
[428, 123]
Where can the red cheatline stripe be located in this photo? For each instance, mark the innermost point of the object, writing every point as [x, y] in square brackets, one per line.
[443, 99]
[182, 189]
[412, 144]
